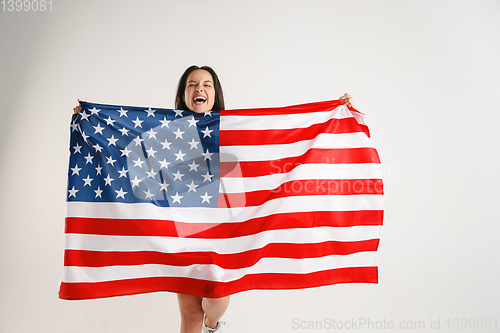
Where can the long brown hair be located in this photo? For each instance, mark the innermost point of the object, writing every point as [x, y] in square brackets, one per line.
[180, 104]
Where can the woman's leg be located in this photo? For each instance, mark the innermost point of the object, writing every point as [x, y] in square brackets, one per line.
[191, 313]
[214, 308]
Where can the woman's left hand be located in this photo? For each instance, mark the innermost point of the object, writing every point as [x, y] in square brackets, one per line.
[347, 100]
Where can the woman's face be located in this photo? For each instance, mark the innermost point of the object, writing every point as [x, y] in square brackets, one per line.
[199, 94]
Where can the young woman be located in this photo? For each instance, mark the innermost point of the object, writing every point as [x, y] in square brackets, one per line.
[199, 90]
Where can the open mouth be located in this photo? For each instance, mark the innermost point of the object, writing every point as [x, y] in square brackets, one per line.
[198, 100]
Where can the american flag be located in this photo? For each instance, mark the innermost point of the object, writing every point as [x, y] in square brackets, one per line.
[218, 203]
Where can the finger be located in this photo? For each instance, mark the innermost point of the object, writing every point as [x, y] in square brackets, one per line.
[346, 96]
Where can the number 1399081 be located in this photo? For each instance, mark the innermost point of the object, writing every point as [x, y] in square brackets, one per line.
[26, 5]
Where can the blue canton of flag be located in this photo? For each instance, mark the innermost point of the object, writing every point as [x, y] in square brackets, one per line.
[166, 157]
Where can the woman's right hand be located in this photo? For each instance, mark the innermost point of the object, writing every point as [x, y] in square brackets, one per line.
[77, 108]
[347, 100]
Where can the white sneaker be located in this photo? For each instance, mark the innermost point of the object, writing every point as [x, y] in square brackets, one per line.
[217, 329]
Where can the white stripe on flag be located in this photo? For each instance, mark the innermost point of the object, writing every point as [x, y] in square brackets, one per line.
[311, 172]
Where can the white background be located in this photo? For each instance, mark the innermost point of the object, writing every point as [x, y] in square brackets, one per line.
[425, 72]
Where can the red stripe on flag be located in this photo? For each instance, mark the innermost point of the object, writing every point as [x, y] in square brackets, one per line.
[203, 288]
[84, 258]
[294, 109]
[144, 227]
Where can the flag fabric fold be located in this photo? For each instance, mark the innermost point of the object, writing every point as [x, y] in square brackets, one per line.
[217, 203]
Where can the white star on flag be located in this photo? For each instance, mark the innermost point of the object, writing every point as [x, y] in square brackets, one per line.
[206, 198]
[112, 140]
[124, 131]
[108, 180]
[176, 197]
[164, 122]
[98, 129]
[178, 134]
[77, 148]
[94, 111]
[150, 112]
[178, 175]
[192, 186]
[110, 121]
[152, 134]
[151, 152]
[180, 156]
[207, 132]
[123, 112]
[149, 195]
[137, 122]
[120, 193]
[73, 192]
[193, 144]
[88, 181]
[76, 170]
[192, 122]
[89, 158]
[97, 148]
[98, 192]
[123, 172]
[84, 115]
[110, 160]
[207, 177]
